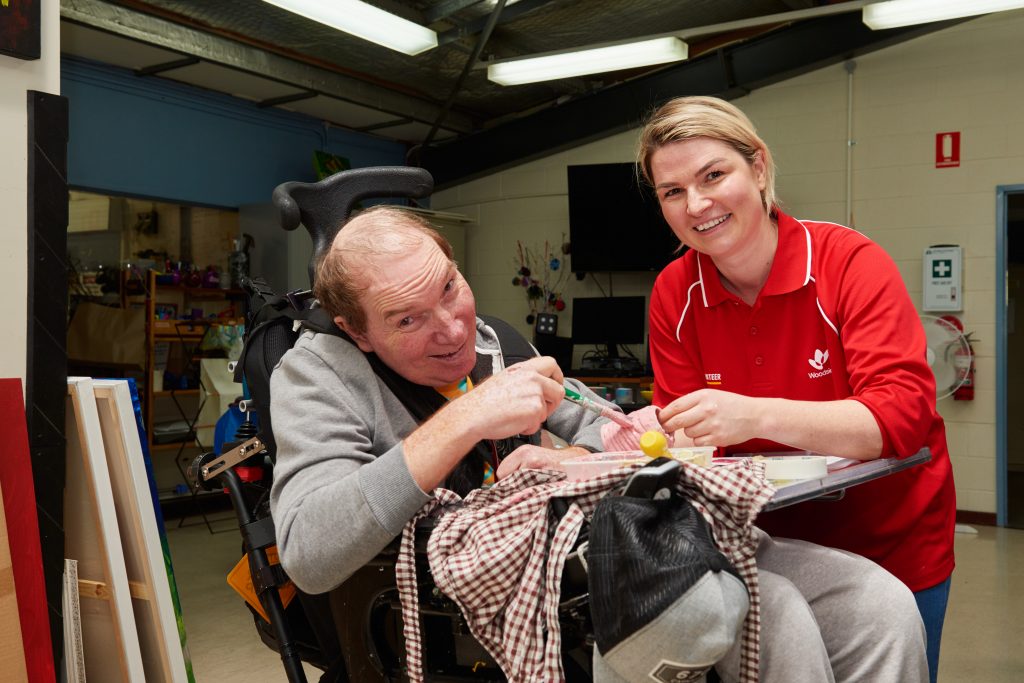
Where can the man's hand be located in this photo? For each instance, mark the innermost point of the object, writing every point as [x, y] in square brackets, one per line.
[514, 401]
[517, 400]
[530, 457]
[714, 418]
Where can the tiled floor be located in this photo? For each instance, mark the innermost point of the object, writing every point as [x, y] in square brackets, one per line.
[983, 639]
[222, 640]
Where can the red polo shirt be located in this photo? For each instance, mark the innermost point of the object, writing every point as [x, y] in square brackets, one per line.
[833, 321]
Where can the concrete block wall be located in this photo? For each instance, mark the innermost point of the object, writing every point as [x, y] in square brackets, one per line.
[965, 79]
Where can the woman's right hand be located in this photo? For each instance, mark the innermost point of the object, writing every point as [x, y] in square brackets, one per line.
[711, 417]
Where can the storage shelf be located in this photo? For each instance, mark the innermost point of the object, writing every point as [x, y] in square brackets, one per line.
[187, 352]
[185, 336]
[200, 292]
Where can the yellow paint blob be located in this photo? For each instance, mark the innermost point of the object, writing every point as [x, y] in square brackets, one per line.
[654, 444]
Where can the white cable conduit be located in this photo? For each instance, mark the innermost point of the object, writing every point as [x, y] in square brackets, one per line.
[850, 67]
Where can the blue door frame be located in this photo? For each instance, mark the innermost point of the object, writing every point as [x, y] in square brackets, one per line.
[1002, 252]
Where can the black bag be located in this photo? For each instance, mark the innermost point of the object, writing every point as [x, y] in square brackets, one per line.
[666, 604]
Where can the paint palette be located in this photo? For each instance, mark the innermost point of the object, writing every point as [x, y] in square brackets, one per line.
[593, 464]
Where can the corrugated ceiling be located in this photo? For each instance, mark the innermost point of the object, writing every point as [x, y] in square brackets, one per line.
[256, 51]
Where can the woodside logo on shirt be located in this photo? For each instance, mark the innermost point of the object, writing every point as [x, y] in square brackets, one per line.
[818, 363]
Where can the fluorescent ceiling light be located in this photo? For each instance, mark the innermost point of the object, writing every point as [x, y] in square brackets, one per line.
[366, 22]
[588, 61]
[896, 13]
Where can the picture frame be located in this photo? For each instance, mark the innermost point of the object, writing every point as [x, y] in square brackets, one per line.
[165, 311]
[19, 28]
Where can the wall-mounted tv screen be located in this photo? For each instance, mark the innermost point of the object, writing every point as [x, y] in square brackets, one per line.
[615, 223]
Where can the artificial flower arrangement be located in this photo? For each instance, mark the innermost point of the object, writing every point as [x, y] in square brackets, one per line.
[541, 275]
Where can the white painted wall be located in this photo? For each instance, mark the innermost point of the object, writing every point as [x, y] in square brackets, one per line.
[966, 79]
[17, 77]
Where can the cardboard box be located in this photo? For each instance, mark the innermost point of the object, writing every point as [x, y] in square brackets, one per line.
[219, 390]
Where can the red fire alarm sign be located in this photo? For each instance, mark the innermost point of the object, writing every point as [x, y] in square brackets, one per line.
[947, 149]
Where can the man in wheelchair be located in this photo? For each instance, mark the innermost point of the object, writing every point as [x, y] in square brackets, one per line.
[355, 462]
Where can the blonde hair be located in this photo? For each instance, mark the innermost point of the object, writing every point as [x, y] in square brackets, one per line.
[686, 118]
[380, 230]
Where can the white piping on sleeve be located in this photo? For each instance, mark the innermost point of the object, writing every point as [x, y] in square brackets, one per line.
[807, 234]
[689, 293]
[700, 279]
[825, 317]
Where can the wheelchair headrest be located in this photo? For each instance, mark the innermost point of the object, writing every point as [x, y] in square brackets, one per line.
[324, 207]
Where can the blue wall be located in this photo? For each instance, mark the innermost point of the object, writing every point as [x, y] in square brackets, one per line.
[149, 137]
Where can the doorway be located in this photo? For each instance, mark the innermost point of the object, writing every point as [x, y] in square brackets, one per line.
[1010, 357]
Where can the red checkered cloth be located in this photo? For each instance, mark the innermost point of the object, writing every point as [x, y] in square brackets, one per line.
[497, 557]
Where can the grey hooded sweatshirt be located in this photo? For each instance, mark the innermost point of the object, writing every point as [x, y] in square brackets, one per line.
[342, 490]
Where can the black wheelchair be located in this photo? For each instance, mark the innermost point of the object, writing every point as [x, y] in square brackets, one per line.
[353, 633]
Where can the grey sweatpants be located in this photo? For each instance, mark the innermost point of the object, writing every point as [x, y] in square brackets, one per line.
[831, 616]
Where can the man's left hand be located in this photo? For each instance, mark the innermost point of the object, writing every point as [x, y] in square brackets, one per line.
[530, 457]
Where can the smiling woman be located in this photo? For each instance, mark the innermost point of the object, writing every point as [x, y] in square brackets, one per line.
[713, 199]
[773, 333]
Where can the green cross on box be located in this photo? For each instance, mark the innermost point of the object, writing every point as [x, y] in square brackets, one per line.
[942, 268]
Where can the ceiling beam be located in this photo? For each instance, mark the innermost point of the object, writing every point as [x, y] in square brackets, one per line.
[167, 66]
[445, 9]
[728, 73]
[470, 61]
[286, 99]
[162, 33]
[477, 25]
[383, 124]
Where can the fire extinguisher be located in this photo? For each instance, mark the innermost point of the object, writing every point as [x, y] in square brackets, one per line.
[963, 361]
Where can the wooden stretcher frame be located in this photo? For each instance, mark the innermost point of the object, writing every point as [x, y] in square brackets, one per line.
[155, 618]
[92, 537]
[74, 654]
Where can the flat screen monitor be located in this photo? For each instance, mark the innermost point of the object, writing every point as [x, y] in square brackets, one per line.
[608, 321]
[615, 223]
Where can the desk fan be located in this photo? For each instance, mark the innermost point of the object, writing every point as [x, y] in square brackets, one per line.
[949, 354]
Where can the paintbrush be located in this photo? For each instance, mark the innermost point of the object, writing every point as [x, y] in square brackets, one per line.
[604, 411]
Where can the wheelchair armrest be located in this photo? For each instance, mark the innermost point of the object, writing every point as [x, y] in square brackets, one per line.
[653, 478]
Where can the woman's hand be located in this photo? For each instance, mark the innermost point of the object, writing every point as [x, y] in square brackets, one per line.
[714, 418]
[530, 457]
[710, 417]
[615, 437]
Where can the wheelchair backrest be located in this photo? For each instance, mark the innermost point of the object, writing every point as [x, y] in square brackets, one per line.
[323, 208]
